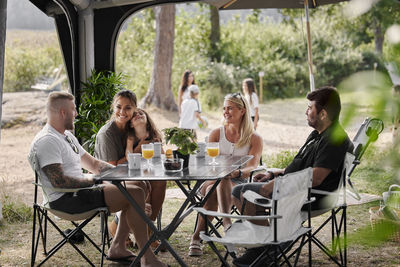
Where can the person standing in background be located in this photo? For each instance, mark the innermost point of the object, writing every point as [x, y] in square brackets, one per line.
[191, 111]
[249, 91]
[183, 92]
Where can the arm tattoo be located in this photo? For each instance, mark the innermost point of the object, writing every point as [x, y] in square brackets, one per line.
[103, 166]
[58, 179]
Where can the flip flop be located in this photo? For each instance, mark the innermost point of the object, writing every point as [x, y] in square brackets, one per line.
[126, 259]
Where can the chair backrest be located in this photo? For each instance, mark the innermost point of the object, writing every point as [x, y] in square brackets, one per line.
[367, 133]
[33, 161]
[290, 194]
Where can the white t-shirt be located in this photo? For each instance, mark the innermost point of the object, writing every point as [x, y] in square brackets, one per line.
[253, 104]
[188, 119]
[185, 94]
[52, 147]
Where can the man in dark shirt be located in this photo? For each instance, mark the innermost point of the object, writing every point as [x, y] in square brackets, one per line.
[324, 151]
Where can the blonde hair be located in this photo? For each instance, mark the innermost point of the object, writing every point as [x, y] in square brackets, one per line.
[55, 100]
[246, 125]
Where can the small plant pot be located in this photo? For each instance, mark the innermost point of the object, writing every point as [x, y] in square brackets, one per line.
[181, 156]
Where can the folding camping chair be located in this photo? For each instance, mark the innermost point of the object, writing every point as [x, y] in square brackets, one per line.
[285, 228]
[41, 218]
[367, 133]
[234, 210]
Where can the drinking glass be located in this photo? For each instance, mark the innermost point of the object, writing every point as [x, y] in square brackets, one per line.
[148, 153]
[213, 151]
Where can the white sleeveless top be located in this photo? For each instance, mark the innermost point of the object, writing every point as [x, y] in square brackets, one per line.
[228, 148]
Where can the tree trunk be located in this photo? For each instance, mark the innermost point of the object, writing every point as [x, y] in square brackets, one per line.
[3, 21]
[379, 37]
[215, 35]
[159, 92]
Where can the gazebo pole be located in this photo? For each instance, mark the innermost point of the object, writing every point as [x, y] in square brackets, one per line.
[309, 52]
[3, 30]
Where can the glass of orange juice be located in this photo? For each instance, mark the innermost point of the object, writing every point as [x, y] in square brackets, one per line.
[148, 153]
[213, 151]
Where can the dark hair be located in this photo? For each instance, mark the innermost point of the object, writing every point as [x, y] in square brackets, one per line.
[250, 85]
[185, 80]
[327, 98]
[151, 128]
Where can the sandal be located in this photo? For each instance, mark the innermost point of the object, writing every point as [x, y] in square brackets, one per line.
[195, 249]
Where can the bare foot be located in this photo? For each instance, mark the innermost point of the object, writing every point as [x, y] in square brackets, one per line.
[119, 253]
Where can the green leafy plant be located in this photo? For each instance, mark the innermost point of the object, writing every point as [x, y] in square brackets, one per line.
[182, 138]
[95, 108]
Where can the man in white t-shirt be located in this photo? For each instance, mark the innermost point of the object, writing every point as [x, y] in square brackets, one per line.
[61, 158]
[191, 110]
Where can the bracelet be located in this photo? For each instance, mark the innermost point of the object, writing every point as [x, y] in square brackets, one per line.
[272, 173]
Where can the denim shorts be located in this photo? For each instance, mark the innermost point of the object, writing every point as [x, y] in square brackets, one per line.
[80, 201]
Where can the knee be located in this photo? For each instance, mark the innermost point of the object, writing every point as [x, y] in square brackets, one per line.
[137, 192]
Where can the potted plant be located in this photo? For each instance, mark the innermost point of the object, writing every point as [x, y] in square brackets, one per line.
[184, 140]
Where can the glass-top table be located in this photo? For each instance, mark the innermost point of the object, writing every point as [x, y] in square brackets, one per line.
[199, 171]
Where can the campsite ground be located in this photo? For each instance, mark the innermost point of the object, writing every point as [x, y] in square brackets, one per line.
[283, 127]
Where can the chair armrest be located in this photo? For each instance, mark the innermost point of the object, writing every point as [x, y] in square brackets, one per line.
[321, 192]
[310, 201]
[232, 216]
[259, 169]
[257, 199]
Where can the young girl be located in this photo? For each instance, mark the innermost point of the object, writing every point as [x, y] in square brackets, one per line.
[191, 110]
[249, 90]
[142, 130]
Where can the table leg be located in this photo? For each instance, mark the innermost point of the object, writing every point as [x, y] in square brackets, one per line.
[163, 236]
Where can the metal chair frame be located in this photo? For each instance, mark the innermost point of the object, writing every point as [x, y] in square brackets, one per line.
[367, 134]
[41, 219]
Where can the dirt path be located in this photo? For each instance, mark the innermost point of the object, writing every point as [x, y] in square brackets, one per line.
[283, 127]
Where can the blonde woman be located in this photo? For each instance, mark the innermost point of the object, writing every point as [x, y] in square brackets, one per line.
[238, 138]
[249, 91]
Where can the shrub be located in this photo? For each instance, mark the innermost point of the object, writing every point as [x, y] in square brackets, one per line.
[280, 160]
[95, 108]
[23, 68]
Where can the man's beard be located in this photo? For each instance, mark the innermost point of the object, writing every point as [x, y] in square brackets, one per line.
[69, 125]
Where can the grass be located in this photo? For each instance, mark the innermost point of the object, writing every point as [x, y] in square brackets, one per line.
[15, 244]
[370, 177]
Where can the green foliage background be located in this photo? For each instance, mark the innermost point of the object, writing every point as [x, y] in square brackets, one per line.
[95, 108]
[247, 47]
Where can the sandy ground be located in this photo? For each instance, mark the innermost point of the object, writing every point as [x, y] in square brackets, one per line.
[282, 126]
